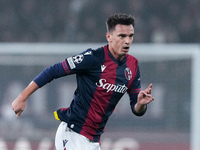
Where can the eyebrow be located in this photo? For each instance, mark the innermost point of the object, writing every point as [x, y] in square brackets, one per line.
[126, 34]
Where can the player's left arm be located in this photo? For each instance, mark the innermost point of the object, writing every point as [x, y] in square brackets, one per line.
[139, 99]
[144, 98]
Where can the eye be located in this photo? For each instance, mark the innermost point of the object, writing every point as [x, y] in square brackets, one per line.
[122, 35]
[131, 35]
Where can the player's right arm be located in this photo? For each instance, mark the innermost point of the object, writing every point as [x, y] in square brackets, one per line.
[50, 73]
[18, 105]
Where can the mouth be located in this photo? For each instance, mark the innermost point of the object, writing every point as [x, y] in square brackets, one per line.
[125, 49]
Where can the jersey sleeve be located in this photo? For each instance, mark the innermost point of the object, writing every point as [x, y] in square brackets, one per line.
[75, 64]
[50, 73]
[133, 92]
[82, 62]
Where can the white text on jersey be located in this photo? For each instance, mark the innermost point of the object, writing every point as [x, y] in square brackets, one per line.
[111, 87]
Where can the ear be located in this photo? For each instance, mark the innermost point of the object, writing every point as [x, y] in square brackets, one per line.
[108, 36]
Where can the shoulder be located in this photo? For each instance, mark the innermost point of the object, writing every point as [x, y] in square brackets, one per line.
[89, 58]
[131, 59]
[94, 54]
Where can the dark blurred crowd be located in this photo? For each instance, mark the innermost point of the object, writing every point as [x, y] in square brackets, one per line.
[157, 21]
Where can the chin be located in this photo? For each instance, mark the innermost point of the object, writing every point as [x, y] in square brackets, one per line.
[125, 52]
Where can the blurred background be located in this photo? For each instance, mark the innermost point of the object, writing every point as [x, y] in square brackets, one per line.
[84, 20]
[36, 34]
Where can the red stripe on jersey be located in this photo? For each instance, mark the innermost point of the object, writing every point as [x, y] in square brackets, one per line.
[64, 64]
[135, 90]
[100, 100]
[131, 66]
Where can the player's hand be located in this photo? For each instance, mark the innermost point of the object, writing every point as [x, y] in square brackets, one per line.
[18, 105]
[145, 97]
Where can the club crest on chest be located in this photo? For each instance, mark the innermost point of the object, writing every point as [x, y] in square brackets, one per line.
[128, 73]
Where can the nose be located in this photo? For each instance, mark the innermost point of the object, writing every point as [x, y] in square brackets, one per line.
[128, 40]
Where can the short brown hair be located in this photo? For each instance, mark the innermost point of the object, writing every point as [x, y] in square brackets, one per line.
[122, 19]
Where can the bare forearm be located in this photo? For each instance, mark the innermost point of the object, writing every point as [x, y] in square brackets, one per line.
[139, 108]
[31, 88]
[18, 105]
[144, 98]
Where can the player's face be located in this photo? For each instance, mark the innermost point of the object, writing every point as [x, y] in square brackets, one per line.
[120, 40]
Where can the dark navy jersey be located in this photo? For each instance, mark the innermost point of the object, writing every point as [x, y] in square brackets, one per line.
[101, 82]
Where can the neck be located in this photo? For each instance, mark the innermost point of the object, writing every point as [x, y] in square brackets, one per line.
[115, 55]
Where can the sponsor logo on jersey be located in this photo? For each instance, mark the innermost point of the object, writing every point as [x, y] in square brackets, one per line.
[71, 63]
[103, 67]
[88, 53]
[111, 87]
[78, 58]
[128, 73]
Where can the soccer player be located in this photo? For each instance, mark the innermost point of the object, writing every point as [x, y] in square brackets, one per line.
[103, 76]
